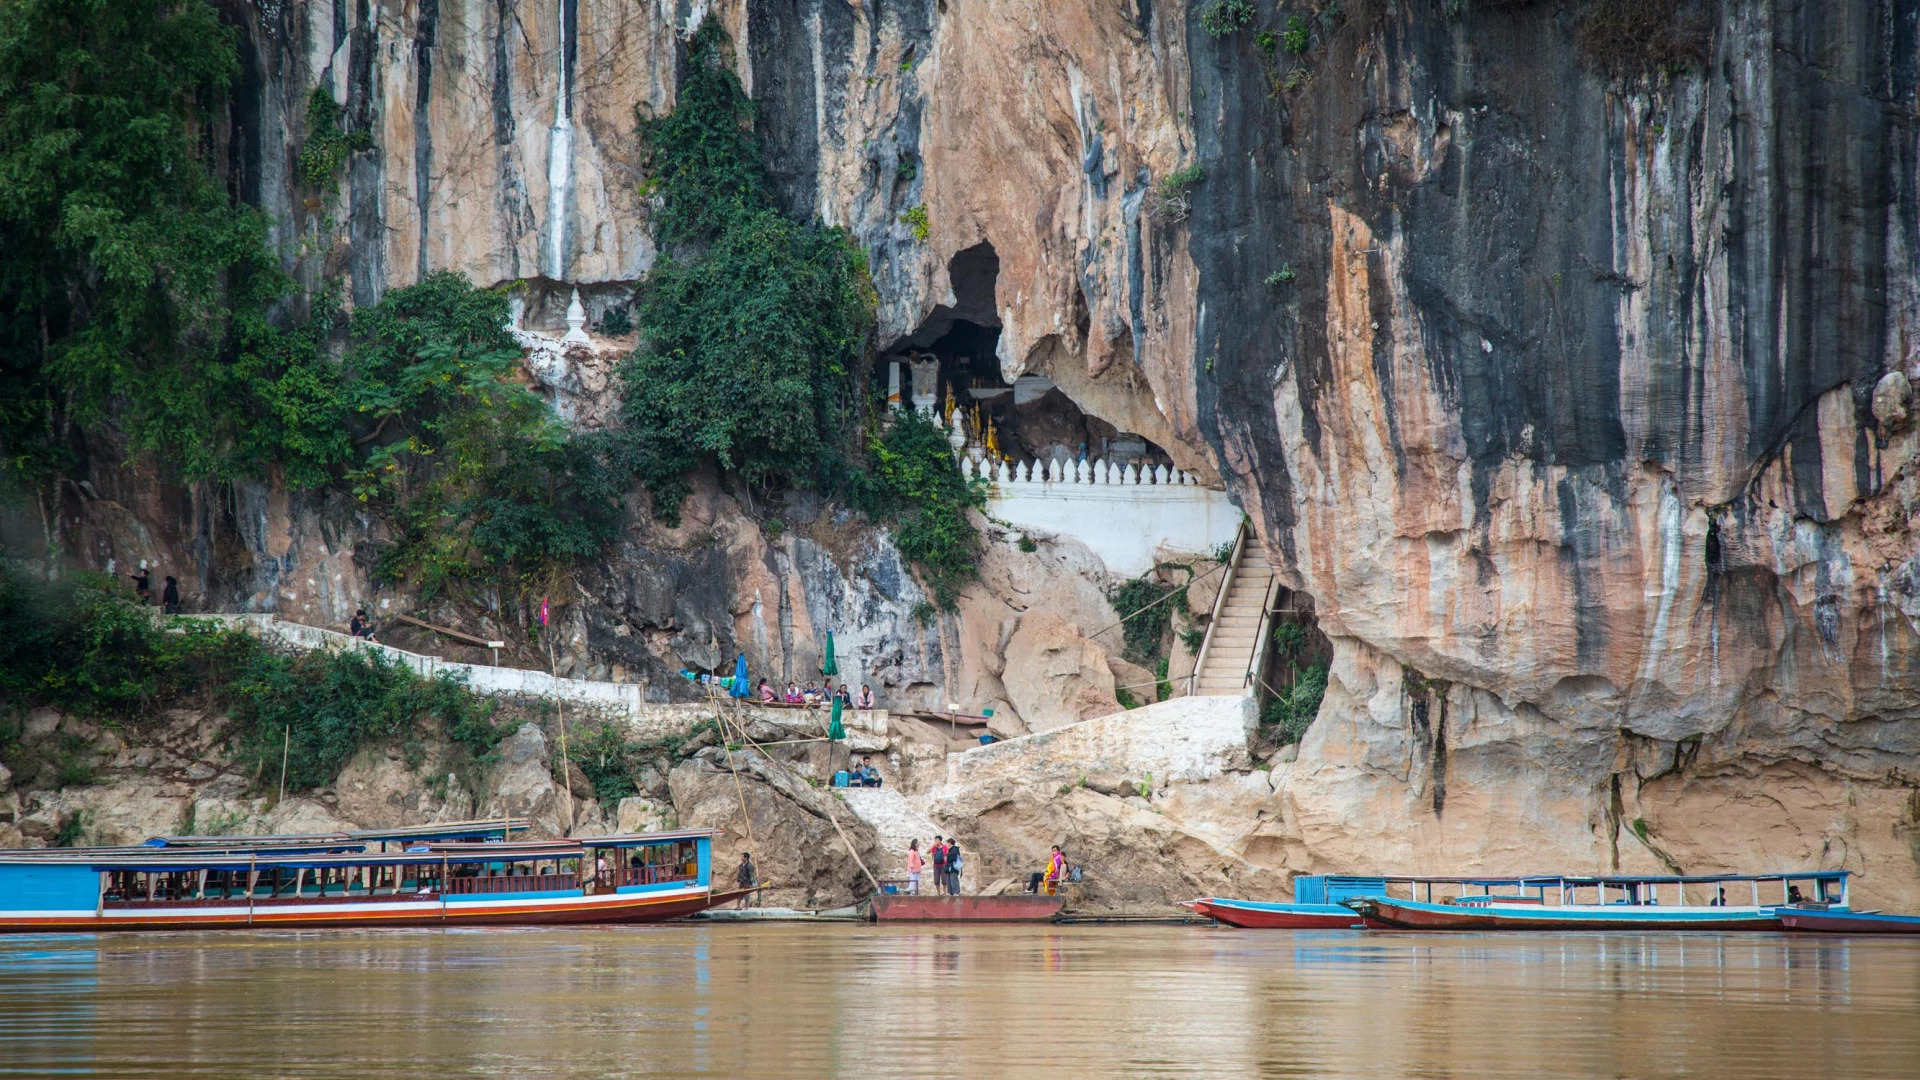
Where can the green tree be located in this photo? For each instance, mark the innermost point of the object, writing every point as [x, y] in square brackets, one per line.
[124, 254]
[752, 326]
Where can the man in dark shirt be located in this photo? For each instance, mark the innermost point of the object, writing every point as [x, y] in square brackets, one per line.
[747, 876]
[170, 597]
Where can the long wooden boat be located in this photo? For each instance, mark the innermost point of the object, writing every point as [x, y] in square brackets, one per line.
[1618, 903]
[1317, 905]
[1847, 922]
[1020, 907]
[634, 878]
[1258, 915]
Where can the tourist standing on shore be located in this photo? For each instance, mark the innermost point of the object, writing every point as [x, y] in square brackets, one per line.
[939, 857]
[915, 864]
[953, 867]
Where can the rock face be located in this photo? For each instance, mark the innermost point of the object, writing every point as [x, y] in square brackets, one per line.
[1055, 676]
[1569, 375]
[785, 822]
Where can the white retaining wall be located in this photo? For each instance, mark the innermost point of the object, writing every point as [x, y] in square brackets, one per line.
[1126, 515]
[646, 720]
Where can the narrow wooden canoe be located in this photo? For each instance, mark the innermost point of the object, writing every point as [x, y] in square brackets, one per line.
[1021, 907]
[1847, 922]
[1413, 915]
[1255, 915]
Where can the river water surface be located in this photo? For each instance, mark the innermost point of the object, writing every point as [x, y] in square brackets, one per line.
[774, 1000]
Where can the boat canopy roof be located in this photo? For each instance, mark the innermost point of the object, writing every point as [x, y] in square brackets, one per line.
[632, 840]
[1603, 879]
[194, 857]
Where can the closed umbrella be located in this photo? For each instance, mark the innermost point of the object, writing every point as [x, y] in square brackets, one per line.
[827, 666]
[739, 677]
[835, 729]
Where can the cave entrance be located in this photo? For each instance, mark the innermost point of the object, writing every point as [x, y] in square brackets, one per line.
[950, 366]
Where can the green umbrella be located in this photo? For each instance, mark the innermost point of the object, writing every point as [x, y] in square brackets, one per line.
[835, 729]
[827, 666]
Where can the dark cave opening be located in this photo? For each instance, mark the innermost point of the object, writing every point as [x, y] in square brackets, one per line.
[951, 364]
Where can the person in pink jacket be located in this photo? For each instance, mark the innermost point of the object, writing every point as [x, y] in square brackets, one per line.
[915, 864]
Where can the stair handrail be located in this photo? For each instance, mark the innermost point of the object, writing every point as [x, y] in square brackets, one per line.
[1219, 601]
[1256, 663]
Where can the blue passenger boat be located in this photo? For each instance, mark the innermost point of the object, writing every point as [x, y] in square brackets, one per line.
[405, 878]
[1706, 902]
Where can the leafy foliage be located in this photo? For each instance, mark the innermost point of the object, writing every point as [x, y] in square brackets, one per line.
[915, 218]
[913, 483]
[1144, 629]
[1292, 710]
[1167, 201]
[88, 646]
[124, 254]
[1296, 36]
[84, 644]
[328, 144]
[321, 707]
[1224, 17]
[477, 476]
[752, 325]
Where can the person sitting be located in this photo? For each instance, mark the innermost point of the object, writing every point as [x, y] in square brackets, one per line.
[843, 697]
[865, 701]
[766, 693]
[1052, 876]
[361, 626]
[1793, 895]
[793, 694]
[811, 695]
[865, 775]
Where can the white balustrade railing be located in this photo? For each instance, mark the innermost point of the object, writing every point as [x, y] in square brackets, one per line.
[1078, 472]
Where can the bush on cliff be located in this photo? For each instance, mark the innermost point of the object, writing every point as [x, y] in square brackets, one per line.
[752, 325]
[911, 483]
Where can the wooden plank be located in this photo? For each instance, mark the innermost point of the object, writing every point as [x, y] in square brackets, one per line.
[454, 634]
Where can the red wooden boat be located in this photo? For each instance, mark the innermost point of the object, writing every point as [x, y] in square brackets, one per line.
[1021, 907]
[1254, 915]
[1847, 922]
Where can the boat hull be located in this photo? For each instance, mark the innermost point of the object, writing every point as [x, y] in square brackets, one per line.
[889, 907]
[1254, 915]
[313, 913]
[1847, 922]
[1413, 915]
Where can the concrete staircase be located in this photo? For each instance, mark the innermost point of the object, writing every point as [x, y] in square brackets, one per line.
[1239, 622]
[895, 821]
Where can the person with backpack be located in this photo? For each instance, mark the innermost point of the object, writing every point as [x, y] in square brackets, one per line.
[953, 867]
[938, 856]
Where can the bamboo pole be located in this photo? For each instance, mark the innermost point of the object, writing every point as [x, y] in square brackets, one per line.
[286, 744]
[560, 710]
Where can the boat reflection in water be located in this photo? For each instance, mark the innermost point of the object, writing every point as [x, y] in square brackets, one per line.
[452, 875]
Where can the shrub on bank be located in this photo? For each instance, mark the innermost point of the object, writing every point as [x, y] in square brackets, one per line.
[87, 646]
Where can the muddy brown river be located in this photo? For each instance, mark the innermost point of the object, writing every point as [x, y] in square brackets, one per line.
[773, 1000]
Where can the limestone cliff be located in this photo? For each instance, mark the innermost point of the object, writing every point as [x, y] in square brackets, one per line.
[1560, 351]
